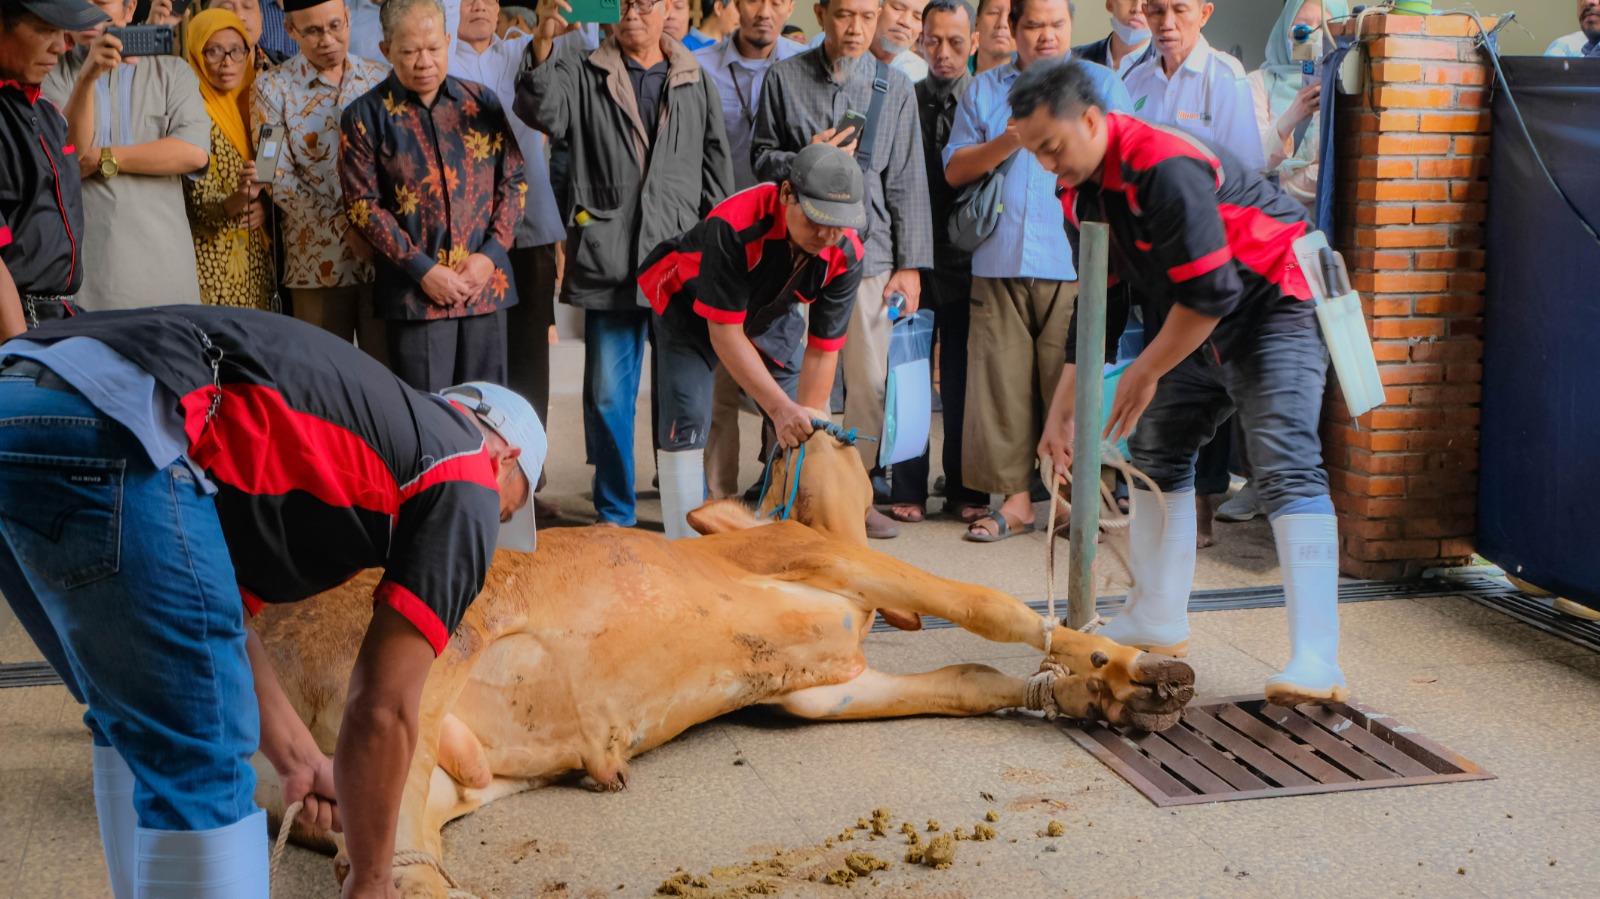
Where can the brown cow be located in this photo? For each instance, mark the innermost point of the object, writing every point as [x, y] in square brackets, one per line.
[607, 643]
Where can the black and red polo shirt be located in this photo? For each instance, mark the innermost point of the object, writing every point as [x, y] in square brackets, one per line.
[41, 201]
[325, 463]
[1196, 228]
[738, 267]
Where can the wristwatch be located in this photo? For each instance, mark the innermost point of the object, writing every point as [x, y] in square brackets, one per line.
[108, 164]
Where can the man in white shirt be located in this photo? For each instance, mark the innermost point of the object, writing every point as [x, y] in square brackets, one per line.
[365, 32]
[1585, 42]
[1127, 45]
[899, 29]
[1193, 87]
[478, 54]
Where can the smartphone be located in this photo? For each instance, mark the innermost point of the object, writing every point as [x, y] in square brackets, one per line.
[144, 40]
[269, 149]
[179, 7]
[605, 12]
[851, 120]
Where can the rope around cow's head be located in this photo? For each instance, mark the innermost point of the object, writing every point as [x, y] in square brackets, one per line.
[792, 472]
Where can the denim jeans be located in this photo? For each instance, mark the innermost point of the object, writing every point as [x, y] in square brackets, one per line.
[1276, 387]
[612, 362]
[120, 574]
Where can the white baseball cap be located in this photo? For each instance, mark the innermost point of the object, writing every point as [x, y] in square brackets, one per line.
[515, 421]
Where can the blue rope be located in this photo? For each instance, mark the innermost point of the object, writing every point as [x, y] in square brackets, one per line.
[837, 432]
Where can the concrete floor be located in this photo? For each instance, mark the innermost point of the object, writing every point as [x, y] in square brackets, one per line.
[738, 790]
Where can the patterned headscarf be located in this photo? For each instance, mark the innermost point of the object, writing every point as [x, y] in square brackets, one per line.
[230, 110]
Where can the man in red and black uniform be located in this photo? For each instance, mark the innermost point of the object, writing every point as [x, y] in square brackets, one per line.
[1209, 247]
[729, 291]
[162, 463]
[41, 207]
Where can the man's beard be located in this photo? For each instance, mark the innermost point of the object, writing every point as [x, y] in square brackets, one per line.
[842, 67]
[1593, 34]
[893, 48]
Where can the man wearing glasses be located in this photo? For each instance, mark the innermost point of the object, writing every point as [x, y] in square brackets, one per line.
[325, 270]
[649, 158]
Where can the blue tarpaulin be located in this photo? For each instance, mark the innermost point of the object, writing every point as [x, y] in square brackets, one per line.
[1539, 475]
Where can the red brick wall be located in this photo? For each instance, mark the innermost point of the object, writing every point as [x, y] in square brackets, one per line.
[1413, 168]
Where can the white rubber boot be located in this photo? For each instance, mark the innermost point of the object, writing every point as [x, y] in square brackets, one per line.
[1308, 553]
[113, 805]
[225, 863]
[683, 489]
[1156, 617]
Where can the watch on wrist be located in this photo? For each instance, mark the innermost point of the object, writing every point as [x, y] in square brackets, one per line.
[108, 164]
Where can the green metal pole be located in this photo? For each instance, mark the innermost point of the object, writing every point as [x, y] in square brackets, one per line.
[1093, 246]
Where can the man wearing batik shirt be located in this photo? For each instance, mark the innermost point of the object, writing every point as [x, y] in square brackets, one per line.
[434, 182]
[326, 268]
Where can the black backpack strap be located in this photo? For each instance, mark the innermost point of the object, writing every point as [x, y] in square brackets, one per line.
[880, 90]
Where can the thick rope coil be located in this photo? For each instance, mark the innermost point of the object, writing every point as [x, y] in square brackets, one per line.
[402, 859]
[1041, 696]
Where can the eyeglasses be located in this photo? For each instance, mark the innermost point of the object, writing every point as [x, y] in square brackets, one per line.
[232, 54]
[312, 35]
[642, 7]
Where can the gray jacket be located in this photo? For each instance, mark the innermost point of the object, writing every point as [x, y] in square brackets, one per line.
[635, 195]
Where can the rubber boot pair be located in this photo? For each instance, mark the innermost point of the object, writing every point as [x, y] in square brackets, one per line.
[223, 863]
[1162, 555]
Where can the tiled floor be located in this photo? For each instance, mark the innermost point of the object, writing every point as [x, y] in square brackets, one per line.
[1519, 702]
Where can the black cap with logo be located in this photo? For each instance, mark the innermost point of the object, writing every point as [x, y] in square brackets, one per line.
[828, 182]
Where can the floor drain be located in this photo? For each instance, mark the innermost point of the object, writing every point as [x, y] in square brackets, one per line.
[1244, 748]
[27, 674]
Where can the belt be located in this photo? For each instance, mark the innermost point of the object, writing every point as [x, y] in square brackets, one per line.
[42, 377]
[32, 301]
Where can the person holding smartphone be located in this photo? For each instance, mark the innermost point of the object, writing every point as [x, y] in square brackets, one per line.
[140, 127]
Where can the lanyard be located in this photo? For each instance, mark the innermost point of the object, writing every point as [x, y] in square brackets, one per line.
[747, 105]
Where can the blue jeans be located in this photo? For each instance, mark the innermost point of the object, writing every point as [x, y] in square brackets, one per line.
[120, 574]
[613, 360]
[1276, 387]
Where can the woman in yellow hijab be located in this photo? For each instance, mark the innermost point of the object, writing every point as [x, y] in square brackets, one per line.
[227, 208]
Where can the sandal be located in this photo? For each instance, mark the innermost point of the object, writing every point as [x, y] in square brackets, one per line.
[913, 514]
[1003, 529]
[967, 514]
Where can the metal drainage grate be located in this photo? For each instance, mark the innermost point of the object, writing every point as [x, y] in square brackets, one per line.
[1540, 613]
[1244, 748]
[27, 674]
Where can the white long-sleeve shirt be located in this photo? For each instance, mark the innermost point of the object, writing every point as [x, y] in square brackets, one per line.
[1207, 97]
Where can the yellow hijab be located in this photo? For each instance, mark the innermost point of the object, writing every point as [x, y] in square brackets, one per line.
[230, 110]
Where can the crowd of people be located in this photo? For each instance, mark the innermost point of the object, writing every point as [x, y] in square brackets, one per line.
[388, 198]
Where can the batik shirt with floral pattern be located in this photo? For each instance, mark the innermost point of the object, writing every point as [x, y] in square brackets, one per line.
[431, 186]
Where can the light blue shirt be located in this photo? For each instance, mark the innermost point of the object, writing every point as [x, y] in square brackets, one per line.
[496, 68]
[1029, 241]
[122, 391]
[365, 31]
[1573, 46]
[738, 82]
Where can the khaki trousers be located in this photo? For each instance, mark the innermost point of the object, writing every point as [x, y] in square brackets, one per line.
[1015, 353]
[866, 365]
[722, 440]
[345, 312]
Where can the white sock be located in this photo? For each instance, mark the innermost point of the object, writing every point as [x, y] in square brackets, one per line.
[225, 863]
[683, 489]
[1162, 559]
[113, 805]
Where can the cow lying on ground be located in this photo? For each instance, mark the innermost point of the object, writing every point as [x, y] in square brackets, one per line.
[608, 642]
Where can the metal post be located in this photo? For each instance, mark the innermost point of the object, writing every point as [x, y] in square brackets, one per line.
[1093, 246]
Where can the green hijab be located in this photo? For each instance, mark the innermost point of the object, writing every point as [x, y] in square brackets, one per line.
[1283, 73]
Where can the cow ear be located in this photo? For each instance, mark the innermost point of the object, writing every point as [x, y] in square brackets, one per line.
[723, 515]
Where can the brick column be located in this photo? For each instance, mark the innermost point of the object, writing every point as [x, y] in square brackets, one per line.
[1413, 168]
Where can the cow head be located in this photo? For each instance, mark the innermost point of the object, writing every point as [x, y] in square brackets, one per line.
[834, 491]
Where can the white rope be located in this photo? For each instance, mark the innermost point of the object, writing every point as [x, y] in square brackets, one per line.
[402, 859]
[1041, 695]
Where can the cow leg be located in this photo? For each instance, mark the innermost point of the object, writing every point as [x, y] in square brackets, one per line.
[1126, 680]
[956, 690]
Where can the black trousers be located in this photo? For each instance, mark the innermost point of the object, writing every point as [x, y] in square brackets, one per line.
[686, 365]
[433, 355]
[949, 295]
[528, 326]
